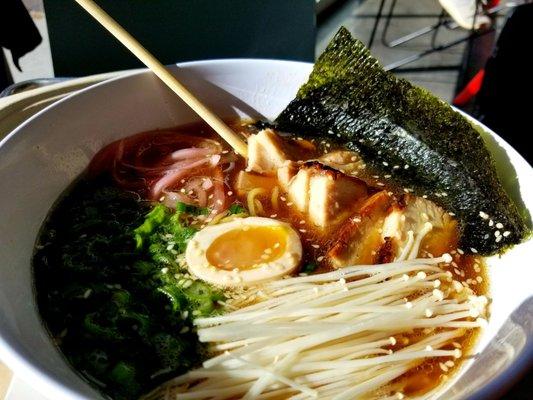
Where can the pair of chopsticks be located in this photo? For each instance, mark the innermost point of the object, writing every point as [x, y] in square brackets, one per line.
[162, 72]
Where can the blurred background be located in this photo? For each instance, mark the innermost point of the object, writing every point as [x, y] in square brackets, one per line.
[471, 53]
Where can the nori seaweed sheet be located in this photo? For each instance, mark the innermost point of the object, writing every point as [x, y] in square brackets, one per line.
[405, 132]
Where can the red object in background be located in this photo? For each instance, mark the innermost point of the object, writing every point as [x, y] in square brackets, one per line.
[492, 3]
[471, 89]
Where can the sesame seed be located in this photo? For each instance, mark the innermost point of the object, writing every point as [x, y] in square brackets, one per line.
[497, 233]
[473, 250]
[273, 215]
[289, 204]
[499, 239]
[319, 259]
[499, 225]
[506, 233]
[483, 215]
[302, 222]
[491, 222]
[316, 246]
[230, 193]
[302, 230]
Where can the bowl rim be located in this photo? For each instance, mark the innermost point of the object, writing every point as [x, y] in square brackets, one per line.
[44, 383]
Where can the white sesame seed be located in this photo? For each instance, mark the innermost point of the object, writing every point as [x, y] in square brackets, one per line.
[483, 215]
[506, 233]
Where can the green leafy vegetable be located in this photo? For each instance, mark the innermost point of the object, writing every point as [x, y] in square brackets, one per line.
[404, 132]
[190, 209]
[237, 209]
[113, 289]
[309, 268]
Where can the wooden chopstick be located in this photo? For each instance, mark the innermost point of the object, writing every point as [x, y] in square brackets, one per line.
[162, 72]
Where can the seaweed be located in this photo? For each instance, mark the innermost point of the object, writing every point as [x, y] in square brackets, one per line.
[414, 141]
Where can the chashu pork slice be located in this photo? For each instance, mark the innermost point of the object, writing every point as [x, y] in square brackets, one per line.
[325, 195]
[379, 232]
[267, 151]
[359, 240]
[414, 214]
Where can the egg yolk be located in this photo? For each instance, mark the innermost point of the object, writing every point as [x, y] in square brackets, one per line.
[247, 247]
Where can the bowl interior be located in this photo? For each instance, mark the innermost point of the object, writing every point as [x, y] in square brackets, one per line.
[40, 159]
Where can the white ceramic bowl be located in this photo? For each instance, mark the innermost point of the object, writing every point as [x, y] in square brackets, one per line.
[40, 158]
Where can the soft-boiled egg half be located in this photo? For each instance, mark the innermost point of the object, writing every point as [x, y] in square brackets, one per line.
[244, 251]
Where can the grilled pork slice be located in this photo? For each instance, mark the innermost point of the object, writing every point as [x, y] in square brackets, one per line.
[359, 239]
[379, 231]
[267, 151]
[345, 161]
[412, 214]
[325, 195]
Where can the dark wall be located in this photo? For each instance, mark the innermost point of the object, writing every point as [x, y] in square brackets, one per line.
[180, 30]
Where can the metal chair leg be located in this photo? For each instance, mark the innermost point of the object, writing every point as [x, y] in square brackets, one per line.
[376, 23]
